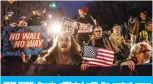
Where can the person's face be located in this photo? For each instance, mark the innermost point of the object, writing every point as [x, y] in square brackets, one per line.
[22, 23]
[145, 50]
[98, 32]
[149, 27]
[34, 12]
[117, 29]
[143, 16]
[64, 43]
[81, 12]
[143, 55]
[140, 57]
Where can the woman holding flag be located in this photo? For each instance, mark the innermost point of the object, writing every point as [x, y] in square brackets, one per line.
[106, 53]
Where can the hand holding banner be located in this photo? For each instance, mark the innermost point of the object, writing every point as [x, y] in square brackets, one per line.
[26, 39]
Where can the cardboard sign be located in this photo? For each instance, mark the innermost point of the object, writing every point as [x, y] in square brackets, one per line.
[70, 25]
[75, 27]
[85, 28]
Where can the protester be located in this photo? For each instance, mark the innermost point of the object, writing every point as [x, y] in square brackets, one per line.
[101, 41]
[86, 19]
[35, 19]
[141, 53]
[22, 23]
[65, 50]
[134, 30]
[116, 37]
[6, 44]
[44, 14]
[9, 52]
[29, 55]
[98, 39]
[146, 35]
[118, 40]
[137, 25]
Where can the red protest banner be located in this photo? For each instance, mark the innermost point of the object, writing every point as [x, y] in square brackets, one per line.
[26, 39]
[85, 28]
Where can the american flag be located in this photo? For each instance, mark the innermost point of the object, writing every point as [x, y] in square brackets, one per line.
[98, 56]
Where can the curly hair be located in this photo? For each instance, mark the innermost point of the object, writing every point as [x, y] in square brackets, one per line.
[138, 47]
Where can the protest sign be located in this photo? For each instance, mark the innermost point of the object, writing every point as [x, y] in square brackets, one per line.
[75, 27]
[31, 39]
[70, 25]
[44, 32]
[85, 28]
[26, 39]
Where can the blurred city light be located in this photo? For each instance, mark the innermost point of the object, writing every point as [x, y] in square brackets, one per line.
[6, 17]
[55, 28]
[10, 15]
[49, 16]
[11, 1]
[10, 12]
[53, 5]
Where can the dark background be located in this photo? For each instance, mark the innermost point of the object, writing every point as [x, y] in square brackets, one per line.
[107, 13]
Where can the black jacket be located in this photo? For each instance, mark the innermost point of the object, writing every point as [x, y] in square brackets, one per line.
[85, 20]
[35, 20]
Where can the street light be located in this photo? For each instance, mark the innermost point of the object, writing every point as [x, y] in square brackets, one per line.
[11, 12]
[49, 16]
[6, 17]
[11, 1]
[55, 28]
[10, 15]
[53, 5]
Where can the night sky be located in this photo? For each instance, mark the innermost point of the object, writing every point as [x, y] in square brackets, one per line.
[71, 7]
[105, 12]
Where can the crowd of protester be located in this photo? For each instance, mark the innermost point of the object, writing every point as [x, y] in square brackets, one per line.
[67, 49]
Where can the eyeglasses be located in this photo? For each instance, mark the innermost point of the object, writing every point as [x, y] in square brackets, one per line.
[144, 51]
[98, 31]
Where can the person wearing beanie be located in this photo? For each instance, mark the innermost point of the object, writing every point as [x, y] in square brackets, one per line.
[86, 19]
